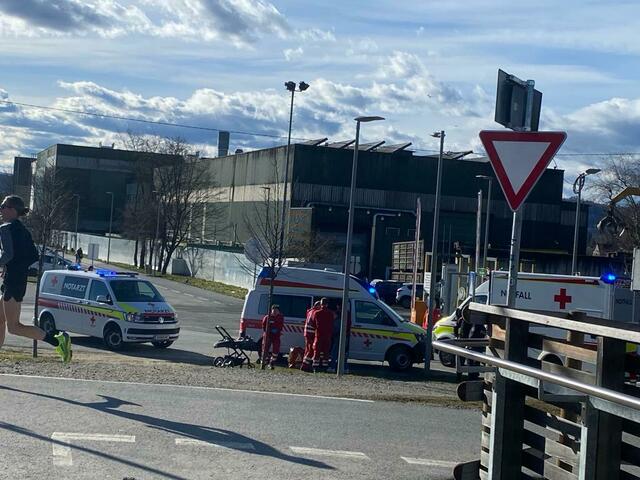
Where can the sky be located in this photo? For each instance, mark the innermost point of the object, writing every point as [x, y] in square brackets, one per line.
[221, 64]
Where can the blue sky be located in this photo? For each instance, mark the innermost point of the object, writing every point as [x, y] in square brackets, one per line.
[424, 65]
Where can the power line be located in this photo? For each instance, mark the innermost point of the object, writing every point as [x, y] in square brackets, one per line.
[241, 132]
[153, 122]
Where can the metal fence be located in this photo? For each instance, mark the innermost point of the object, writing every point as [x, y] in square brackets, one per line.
[577, 418]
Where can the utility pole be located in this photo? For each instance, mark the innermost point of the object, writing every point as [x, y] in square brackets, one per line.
[428, 348]
[478, 231]
[110, 229]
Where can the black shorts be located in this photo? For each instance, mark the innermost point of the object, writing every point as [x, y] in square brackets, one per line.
[14, 285]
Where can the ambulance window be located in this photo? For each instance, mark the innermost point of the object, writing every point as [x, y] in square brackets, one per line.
[372, 314]
[295, 306]
[75, 287]
[98, 288]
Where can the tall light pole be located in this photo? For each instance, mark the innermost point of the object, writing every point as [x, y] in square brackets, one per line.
[578, 185]
[347, 255]
[156, 234]
[77, 197]
[291, 86]
[110, 228]
[486, 221]
[434, 258]
[478, 231]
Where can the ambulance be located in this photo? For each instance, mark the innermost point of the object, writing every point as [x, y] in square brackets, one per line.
[378, 333]
[117, 307]
[606, 297]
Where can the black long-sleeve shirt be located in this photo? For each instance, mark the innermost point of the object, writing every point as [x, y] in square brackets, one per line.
[6, 242]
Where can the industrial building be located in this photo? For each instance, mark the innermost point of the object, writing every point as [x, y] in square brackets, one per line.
[389, 180]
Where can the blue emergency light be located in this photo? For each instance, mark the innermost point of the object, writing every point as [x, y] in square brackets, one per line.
[372, 290]
[105, 273]
[609, 278]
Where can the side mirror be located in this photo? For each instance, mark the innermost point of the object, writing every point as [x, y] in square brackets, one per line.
[103, 299]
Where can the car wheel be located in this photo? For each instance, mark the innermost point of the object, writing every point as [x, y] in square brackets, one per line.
[162, 344]
[405, 302]
[113, 338]
[447, 359]
[400, 358]
[47, 323]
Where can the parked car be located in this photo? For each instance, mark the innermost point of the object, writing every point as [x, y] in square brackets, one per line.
[50, 263]
[403, 294]
[386, 290]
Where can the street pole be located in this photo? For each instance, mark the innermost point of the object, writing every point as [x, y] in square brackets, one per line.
[156, 235]
[291, 86]
[110, 229]
[347, 256]
[478, 231]
[486, 228]
[428, 348]
[415, 254]
[574, 258]
[77, 215]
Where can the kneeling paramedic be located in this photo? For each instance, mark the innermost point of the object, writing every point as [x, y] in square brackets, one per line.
[272, 325]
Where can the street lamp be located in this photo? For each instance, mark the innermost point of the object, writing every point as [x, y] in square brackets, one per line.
[77, 197]
[486, 220]
[291, 86]
[110, 228]
[434, 257]
[577, 189]
[156, 247]
[347, 255]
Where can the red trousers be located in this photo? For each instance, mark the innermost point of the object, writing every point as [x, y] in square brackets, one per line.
[307, 360]
[321, 350]
[271, 342]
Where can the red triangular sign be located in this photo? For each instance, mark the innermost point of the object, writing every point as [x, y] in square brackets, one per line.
[519, 159]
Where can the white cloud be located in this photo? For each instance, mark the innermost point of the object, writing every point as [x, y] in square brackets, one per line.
[242, 22]
[293, 53]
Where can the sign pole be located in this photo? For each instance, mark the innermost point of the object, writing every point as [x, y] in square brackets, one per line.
[416, 257]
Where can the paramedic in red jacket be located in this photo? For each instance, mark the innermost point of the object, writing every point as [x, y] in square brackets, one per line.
[309, 337]
[324, 329]
[272, 326]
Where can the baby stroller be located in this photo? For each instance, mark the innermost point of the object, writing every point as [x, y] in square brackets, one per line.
[236, 350]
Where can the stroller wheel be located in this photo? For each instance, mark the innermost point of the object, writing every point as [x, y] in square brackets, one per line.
[218, 361]
[228, 363]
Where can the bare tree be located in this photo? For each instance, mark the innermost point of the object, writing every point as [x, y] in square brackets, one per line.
[181, 189]
[620, 172]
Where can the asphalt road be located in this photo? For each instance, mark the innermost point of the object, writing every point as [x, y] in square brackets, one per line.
[53, 428]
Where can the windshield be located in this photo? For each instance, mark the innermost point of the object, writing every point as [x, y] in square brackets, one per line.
[392, 313]
[135, 291]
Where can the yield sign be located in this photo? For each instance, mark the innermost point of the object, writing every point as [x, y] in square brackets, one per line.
[519, 159]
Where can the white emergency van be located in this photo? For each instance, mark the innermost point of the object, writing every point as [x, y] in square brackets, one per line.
[604, 297]
[378, 333]
[117, 307]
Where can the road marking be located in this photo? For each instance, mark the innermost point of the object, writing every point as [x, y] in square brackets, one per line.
[429, 463]
[172, 385]
[203, 443]
[329, 453]
[204, 299]
[175, 291]
[189, 295]
[62, 453]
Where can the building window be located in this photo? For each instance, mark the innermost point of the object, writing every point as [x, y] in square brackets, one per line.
[392, 232]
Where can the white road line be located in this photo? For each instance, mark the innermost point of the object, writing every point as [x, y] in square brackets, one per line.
[329, 453]
[189, 295]
[203, 299]
[62, 453]
[175, 291]
[229, 445]
[429, 462]
[172, 385]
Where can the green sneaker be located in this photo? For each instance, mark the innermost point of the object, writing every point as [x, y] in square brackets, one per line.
[64, 346]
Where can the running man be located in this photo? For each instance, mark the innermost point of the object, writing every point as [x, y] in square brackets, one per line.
[18, 253]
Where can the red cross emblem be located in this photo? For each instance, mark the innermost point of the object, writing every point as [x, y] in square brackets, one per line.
[93, 321]
[563, 299]
[367, 343]
[54, 281]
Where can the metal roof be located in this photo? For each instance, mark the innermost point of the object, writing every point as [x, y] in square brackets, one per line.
[314, 143]
[393, 148]
[343, 144]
